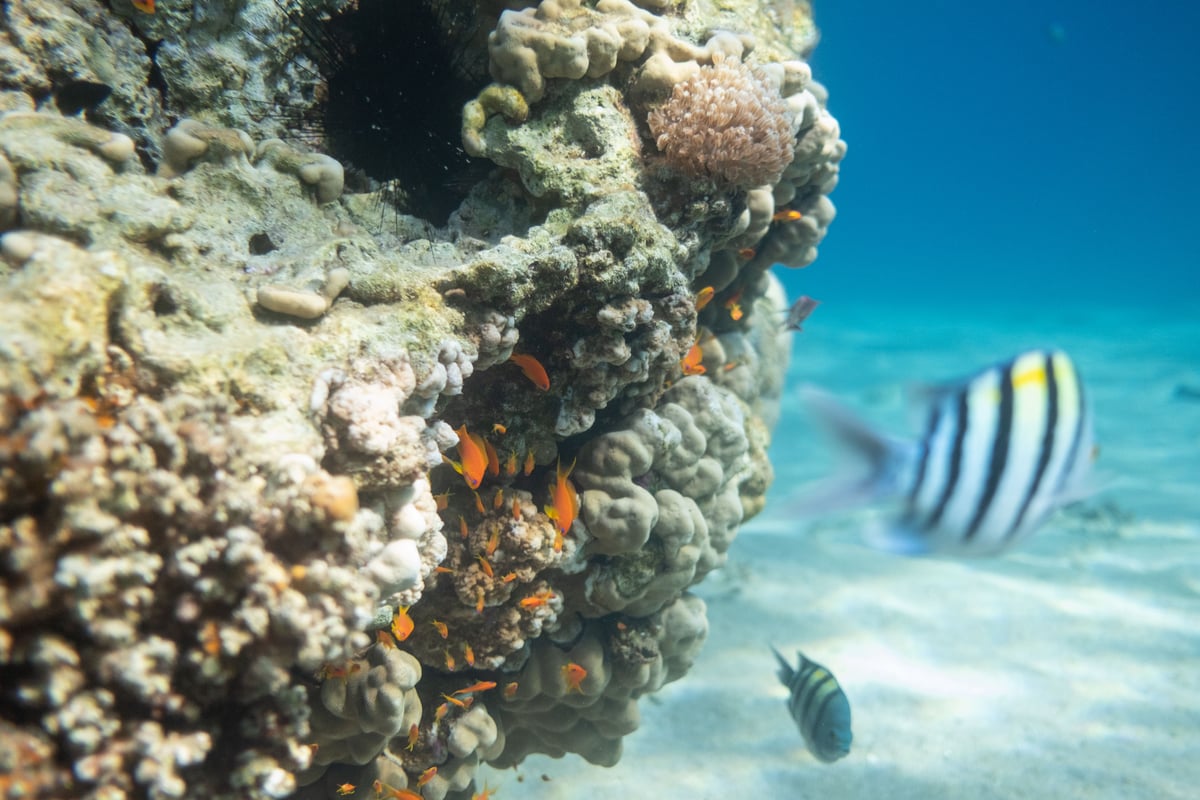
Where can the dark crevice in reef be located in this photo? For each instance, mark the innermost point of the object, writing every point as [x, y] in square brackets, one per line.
[388, 101]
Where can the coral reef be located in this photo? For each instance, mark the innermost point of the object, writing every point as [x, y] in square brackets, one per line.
[280, 512]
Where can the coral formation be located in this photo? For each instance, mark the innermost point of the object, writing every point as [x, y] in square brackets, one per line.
[725, 122]
[234, 561]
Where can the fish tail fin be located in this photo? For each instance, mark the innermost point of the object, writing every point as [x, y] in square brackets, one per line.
[785, 673]
[886, 458]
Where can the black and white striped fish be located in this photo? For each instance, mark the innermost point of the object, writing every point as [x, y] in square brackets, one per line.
[819, 707]
[1000, 452]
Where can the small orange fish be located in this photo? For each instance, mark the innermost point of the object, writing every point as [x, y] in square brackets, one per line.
[735, 312]
[533, 369]
[441, 501]
[510, 690]
[479, 503]
[426, 776]
[479, 601]
[704, 296]
[509, 578]
[441, 628]
[210, 636]
[451, 664]
[747, 253]
[498, 428]
[414, 733]
[454, 700]
[396, 794]
[537, 599]
[516, 509]
[481, 686]
[492, 543]
[498, 500]
[472, 452]
[485, 566]
[462, 528]
[691, 362]
[558, 541]
[511, 466]
[573, 674]
[440, 713]
[384, 639]
[486, 794]
[345, 789]
[529, 463]
[786, 215]
[402, 624]
[565, 500]
[468, 654]
[147, 7]
[445, 570]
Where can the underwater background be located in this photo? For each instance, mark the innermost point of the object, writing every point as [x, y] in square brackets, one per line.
[414, 470]
[1022, 175]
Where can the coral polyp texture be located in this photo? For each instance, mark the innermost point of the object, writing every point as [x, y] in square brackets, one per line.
[725, 122]
[305, 484]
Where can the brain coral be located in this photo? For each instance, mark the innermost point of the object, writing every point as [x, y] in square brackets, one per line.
[726, 122]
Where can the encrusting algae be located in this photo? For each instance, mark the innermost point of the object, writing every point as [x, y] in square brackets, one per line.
[243, 383]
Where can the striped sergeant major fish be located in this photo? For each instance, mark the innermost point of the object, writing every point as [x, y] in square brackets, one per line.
[1000, 452]
[819, 707]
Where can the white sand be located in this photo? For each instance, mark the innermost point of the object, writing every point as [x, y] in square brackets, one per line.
[1068, 668]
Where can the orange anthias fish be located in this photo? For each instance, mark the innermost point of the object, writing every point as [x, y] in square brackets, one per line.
[532, 368]
[402, 624]
[473, 451]
[565, 500]
[786, 215]
[397, 794]
[691, 362]
[704, 296]
[481, 686]
[734, 305]
[574, 674]
[144, 6]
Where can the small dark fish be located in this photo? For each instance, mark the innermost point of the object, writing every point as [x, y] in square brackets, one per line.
[799, 312]
[819, 707]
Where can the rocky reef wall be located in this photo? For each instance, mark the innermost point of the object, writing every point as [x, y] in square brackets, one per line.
[305, 492]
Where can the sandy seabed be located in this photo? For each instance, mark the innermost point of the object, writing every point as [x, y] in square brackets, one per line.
[1067, 668]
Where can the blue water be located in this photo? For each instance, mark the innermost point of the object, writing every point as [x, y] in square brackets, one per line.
[1012, 152]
